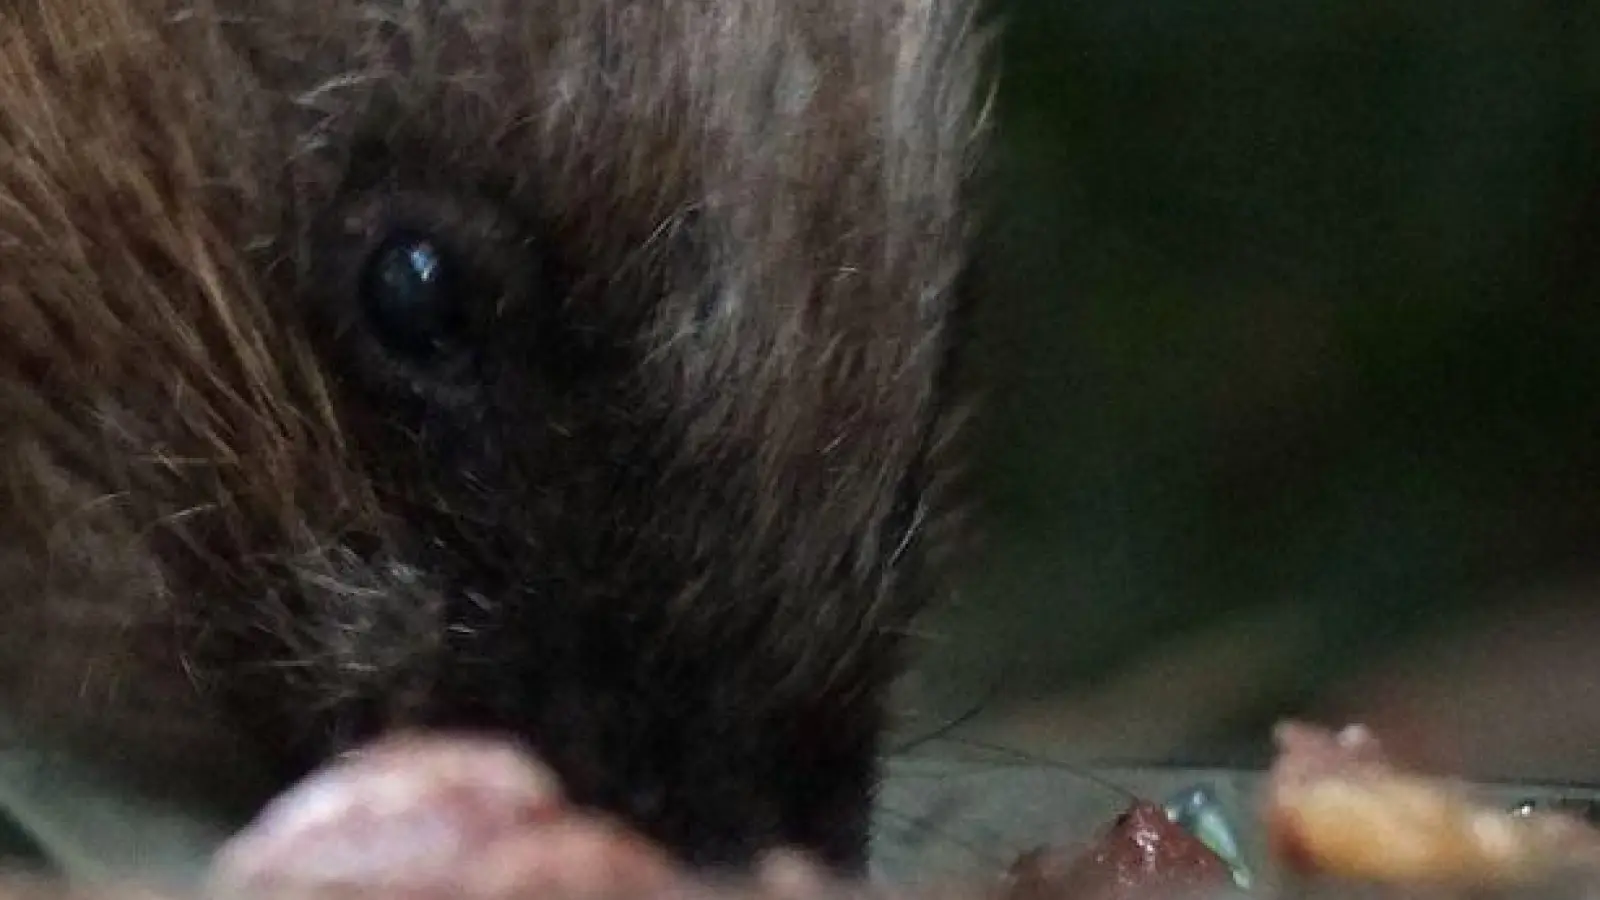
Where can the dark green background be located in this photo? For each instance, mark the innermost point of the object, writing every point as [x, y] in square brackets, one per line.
[1282, 303]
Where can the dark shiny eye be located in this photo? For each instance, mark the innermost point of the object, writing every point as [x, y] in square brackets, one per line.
[411, 295]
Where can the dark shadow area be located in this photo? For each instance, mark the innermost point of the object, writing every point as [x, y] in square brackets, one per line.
[1289, 314]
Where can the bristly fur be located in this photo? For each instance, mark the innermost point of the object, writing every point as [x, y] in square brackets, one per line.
[667, 529]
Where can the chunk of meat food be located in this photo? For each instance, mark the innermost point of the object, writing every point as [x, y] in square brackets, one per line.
[1336, 805]
[430, 817]
[1144, 854]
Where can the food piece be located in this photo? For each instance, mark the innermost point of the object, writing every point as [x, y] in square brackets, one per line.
[437, 817]
[1335, 805]
[1144, 852]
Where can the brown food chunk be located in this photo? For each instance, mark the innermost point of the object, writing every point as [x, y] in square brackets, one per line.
[1143, 853]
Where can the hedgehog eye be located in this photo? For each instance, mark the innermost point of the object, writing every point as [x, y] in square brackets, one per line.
[411, 294]
[430, 295]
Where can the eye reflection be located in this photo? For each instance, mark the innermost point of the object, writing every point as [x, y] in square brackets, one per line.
[411, 295]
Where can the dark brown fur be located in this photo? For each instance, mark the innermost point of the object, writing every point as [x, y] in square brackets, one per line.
[668, 525]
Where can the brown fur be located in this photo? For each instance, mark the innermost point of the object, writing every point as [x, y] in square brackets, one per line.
[700, 439]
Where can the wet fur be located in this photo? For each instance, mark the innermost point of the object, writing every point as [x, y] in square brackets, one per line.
[670, 525]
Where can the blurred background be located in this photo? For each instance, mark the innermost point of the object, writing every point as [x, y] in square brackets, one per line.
[1287, 349]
